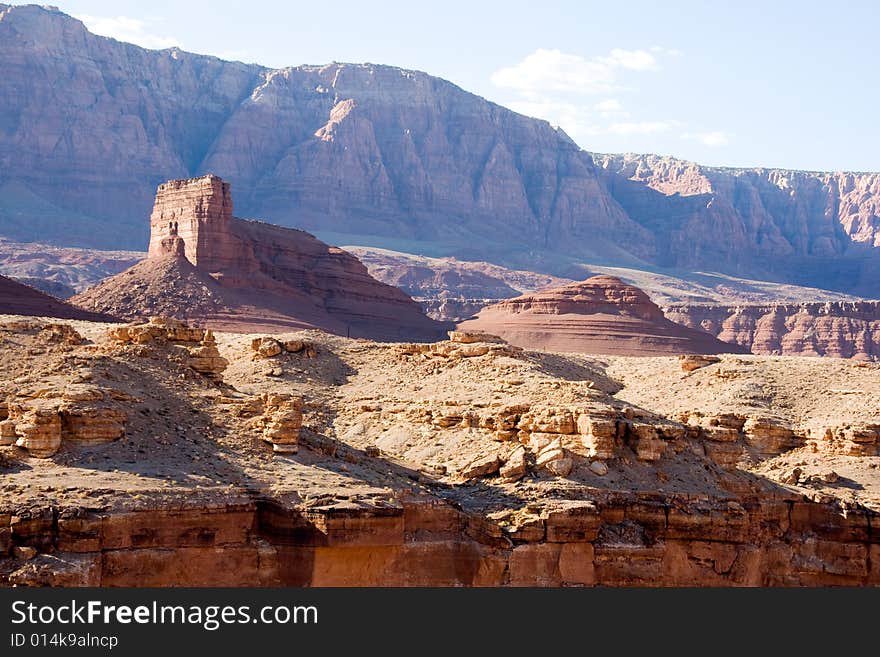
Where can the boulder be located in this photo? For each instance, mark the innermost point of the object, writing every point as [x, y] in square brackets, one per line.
[514, 467]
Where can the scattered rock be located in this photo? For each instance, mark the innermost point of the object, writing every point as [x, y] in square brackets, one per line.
[560, 467]
[61, 333]
[691, 362]
[599, 468]
[482, 466]
[266, 347]
[514, 467]
[470, 337]
[206, 359]
[281, 421]
[793, 476]
[830, 477]
[24, 552]
[294, 346]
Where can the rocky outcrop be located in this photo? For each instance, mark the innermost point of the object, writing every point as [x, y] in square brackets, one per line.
[19, 299]
[416, 466]
[87, 415]
[601, 315]
[281, 422]
[229, 273]
[199, 344]
[838, 329]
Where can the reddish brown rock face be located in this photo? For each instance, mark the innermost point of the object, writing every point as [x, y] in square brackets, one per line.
[19, 299]
[838, 329]
[601, 315]
[206, 264]
[199, 212]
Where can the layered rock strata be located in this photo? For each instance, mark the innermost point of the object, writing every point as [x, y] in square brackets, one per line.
[386, 156]
[620, 541]
[601, 315]
[840, 329]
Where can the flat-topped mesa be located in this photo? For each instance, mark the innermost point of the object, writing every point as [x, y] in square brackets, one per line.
[601, 315]
[198, 210]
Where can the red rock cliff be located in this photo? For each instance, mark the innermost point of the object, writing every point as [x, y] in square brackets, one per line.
[842, 329]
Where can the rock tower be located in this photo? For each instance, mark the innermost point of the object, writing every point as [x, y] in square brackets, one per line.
[198, 211]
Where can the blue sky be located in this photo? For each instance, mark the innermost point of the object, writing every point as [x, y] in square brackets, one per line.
[784, 84]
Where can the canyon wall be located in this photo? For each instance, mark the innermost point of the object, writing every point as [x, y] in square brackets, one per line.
[794, 226]
[841, 329]
[170, 455]
[643, 540]
[385, 156]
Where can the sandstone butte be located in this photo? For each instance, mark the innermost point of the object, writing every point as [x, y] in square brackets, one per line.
[171, 455]
[601, 315]
[230, 273]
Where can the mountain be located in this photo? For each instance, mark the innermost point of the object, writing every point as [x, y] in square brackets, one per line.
[807, 228]
[232, 274]
[601, 315]
[382, 156]
[450, 289]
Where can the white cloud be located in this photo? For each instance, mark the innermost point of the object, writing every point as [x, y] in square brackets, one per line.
[713, 139]
[610, 108]
[553, 70]
[641, 127]
[669, 52]
[635, 60]
[129, 30]
[575, 119]
[551, 85]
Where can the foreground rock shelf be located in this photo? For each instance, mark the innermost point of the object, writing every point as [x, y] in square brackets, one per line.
[307, 459]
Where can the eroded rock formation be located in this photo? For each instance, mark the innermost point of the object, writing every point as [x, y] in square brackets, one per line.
[601, 315]
[767, 223]
[841, 329]
[205, 264]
